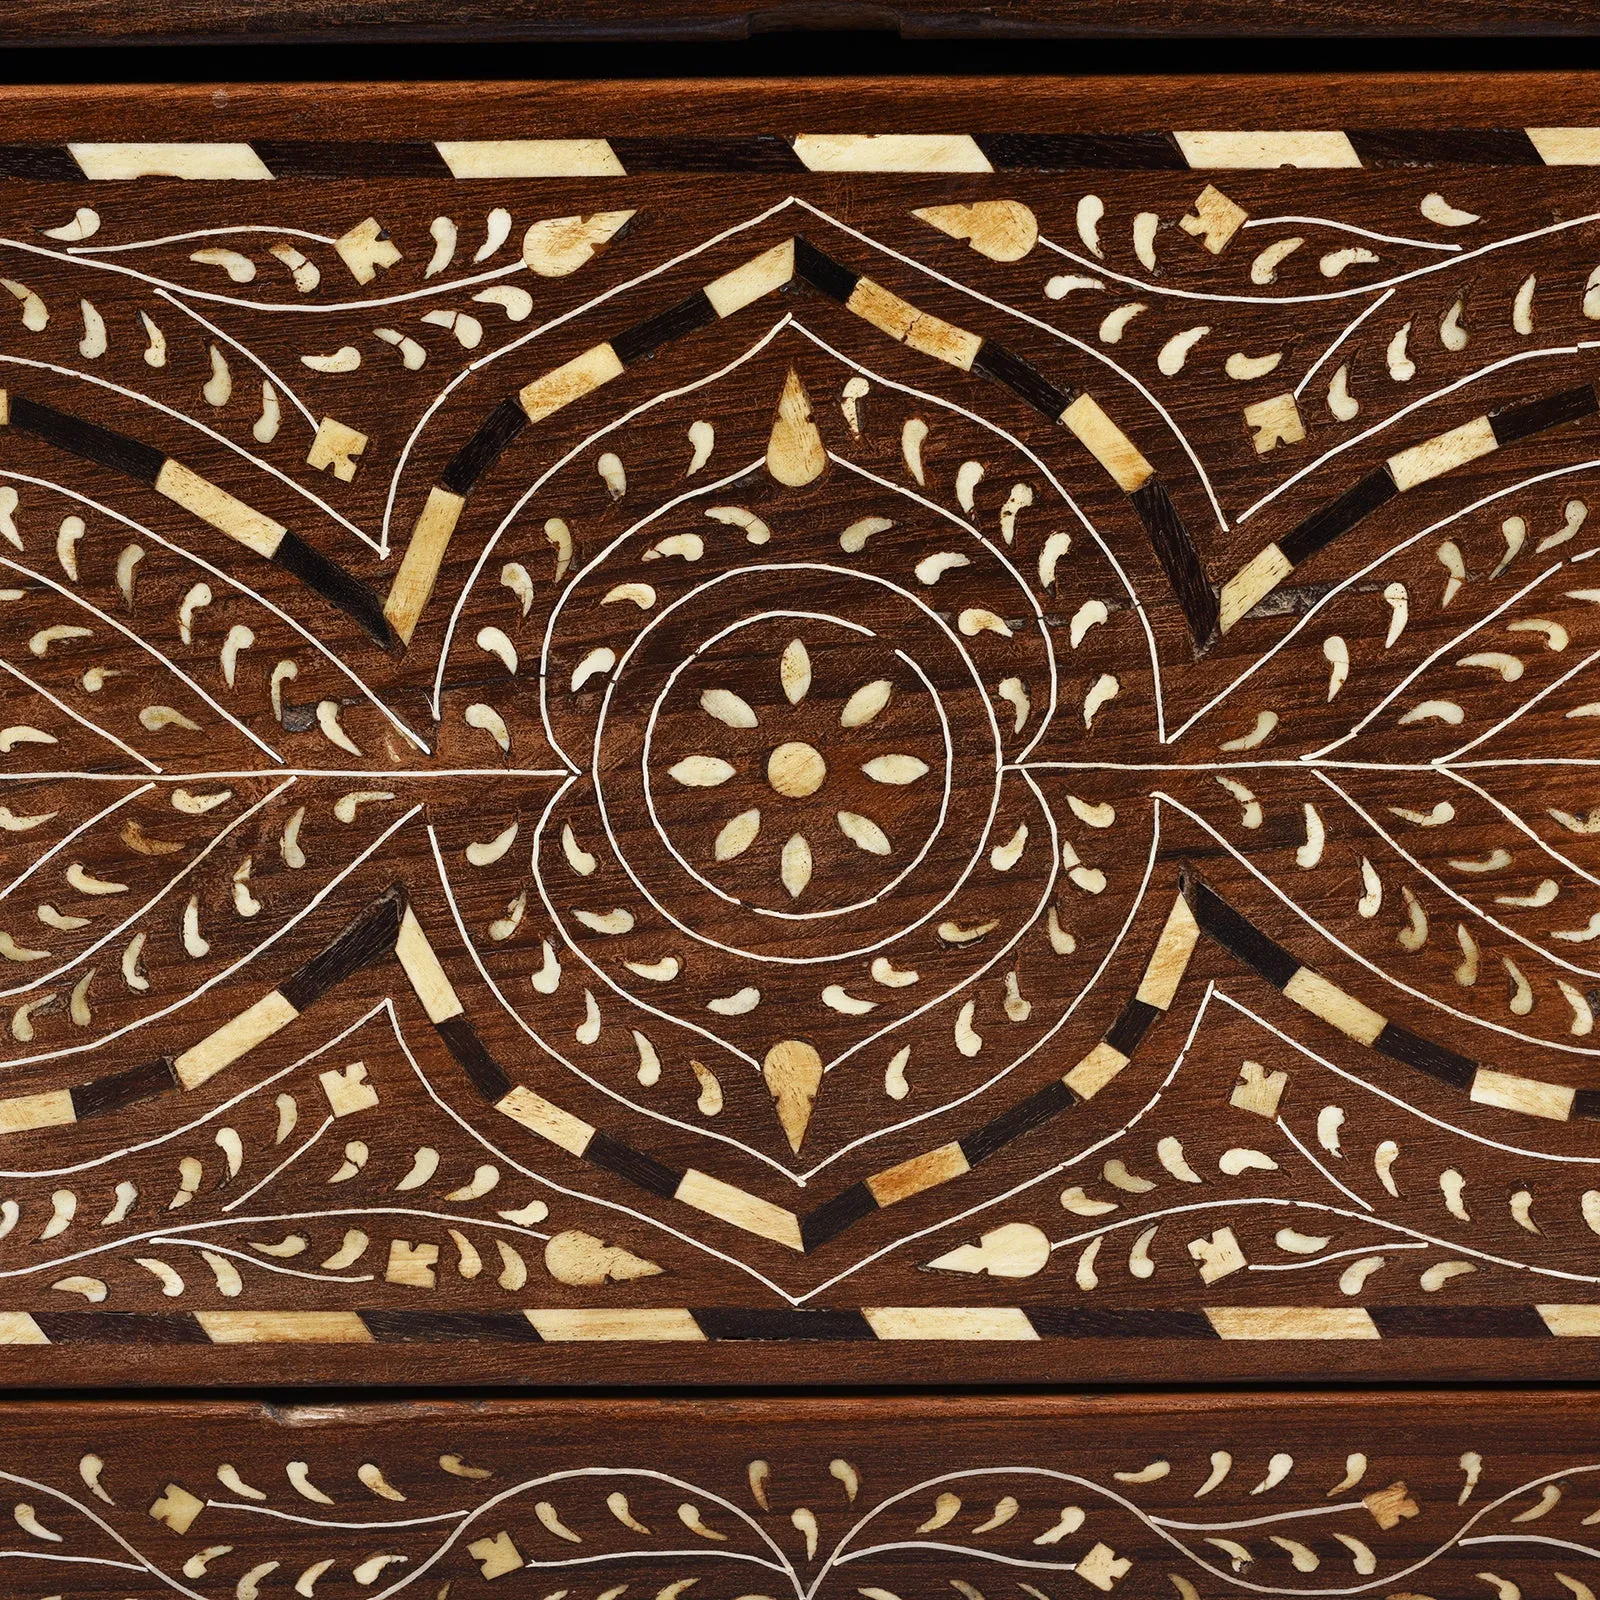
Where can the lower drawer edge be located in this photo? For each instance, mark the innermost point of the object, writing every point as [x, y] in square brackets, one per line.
[1441, 1495]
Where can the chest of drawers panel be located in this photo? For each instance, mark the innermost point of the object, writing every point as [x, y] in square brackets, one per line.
[961, 750]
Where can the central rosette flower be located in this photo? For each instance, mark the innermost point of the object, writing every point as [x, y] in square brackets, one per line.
[813, 768]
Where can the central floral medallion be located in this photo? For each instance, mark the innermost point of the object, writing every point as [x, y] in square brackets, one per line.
[810, 787]
[812, 824]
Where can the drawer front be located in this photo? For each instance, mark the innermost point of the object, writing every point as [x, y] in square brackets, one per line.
[1366, 1494]
[947, 747]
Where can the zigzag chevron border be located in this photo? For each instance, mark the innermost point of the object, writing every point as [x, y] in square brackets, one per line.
[723, 1324]
[1196, 150]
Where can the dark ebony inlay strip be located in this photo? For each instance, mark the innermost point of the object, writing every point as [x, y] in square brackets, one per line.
[1048, 1102]
[123, 1088]
[1468, 147]
[832, 1217]
[46, 163]
[87, 440]
[645, 338]
[1061, 152]
[763, 1322]
[1412, 1050]
[1459, 1322]
[758, 152]
[1131, 1026]
[486, 1074]
[484, 448]
[1022, 378]
[1239, 937]
[1534, 416]
[441, 1327]
[1586, 1103]
[822, 272]
[1338, 516]
[1179, 559]
[369, 938]
[1084, 1322]
[120, 1327]
[356, 158]
[643, 1171]
[338, 588]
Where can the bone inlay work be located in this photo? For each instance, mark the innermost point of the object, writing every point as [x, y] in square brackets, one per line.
[626, 741]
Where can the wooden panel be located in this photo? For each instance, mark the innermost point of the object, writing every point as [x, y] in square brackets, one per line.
[701, 21]
[968, 742]
[1014, 104]
[1425, 1495]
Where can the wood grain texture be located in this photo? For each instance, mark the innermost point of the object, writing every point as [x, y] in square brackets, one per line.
[293, 21]
[966, 738]
[1120, 103]
[1365, 1493]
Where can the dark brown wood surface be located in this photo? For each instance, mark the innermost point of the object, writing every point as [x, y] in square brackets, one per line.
[1122, 102]
[145, 22]
[1427, 1495]
[788, 735]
